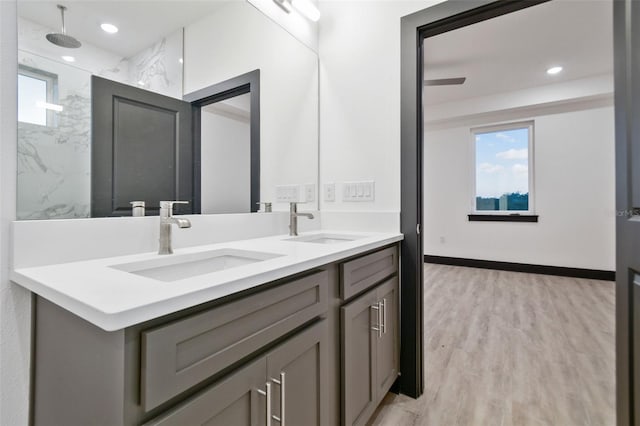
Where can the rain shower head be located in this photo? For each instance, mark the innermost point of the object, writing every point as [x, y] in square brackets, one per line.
[62, 39]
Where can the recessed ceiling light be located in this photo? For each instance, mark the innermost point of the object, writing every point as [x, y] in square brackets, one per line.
[140, 83]
[69, 58]
[109, 28]
[181, 60]
[554, 70]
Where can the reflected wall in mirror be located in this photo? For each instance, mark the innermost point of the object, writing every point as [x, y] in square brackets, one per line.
[211, 41]
[229, 154]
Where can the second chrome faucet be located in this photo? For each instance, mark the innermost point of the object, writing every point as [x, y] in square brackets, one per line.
[293, 218]
[166, 220]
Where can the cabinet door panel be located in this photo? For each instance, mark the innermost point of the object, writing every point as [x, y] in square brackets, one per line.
[387, 347]
[233, 401]
[359, 359]
[302, 359]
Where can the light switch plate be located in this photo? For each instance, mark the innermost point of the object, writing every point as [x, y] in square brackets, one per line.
[287, 193]
[358, 191]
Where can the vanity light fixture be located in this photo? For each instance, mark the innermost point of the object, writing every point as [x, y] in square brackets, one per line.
[47, 105]
[284, 5]
[69, 58]
[109, 28]
[306, 9]
[554, 70]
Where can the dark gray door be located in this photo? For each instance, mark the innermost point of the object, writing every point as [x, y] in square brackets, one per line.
[296, 373]
[142, 149]
[235, 401]
[387, 345]
[627, 113]
[359, 358]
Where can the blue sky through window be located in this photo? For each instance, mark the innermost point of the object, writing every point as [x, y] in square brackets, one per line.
[502, 162]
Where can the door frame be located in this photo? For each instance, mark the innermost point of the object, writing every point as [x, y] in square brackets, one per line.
[415, 28]
[451, 15]
[626, 22]
[240, 85]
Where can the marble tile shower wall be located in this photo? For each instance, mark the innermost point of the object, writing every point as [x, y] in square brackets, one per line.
[54, 161]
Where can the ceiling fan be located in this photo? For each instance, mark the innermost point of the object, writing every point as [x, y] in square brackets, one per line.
[445, 81]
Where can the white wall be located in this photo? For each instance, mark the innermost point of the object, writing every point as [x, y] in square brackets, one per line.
[360, 98]
[574, 195]
[225, 158]
[15, 302]
[288, 87]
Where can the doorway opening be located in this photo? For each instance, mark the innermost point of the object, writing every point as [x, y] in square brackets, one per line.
[449, 113]
[227, 142]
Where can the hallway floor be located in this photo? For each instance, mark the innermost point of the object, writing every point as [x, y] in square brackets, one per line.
[507, 348]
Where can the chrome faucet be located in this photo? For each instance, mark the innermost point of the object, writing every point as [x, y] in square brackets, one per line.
[293, 218]
[166, 220]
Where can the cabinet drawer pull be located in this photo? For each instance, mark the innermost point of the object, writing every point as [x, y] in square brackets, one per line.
[281, 383]
[383, 304]
[378, 326]
[268, 395]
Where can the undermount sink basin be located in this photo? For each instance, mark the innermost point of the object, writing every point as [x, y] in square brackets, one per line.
[325, 238]
[181, 266]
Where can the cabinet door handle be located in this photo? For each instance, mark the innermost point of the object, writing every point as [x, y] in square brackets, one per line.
[280, 382]
[378, 326]
[268, 395]
[383, 304]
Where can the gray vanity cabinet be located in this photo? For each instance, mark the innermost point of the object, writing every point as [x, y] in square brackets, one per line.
[388, 345]
[236, 400]
[370, 353]
[319, 348]
[204, 365]
[296, 371]
[284, 385]
[358, 359]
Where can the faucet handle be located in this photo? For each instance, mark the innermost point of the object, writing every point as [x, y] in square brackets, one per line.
[168, 206]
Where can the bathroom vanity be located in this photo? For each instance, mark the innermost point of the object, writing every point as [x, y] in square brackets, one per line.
[297, 331]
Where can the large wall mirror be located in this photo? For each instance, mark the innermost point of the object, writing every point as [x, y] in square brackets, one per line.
[147, 109]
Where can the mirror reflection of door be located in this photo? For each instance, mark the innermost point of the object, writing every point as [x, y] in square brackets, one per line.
[142, 150]
[225, 144]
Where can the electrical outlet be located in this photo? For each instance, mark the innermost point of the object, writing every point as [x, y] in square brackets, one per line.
[329, 191]
[310, 192]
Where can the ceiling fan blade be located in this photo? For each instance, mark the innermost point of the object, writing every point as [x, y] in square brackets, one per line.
[445, 81]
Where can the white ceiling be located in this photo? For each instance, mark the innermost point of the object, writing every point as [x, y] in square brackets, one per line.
[513, 51]
[141, 23]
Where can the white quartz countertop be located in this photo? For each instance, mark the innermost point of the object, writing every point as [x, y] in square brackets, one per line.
[113, 299]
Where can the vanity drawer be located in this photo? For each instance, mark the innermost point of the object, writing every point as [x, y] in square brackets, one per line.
[183, 353]
[359, 274]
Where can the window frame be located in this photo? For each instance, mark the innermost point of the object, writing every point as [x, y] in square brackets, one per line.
[504, 215]
[51, 81]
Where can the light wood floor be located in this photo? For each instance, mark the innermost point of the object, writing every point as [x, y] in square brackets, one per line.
[507, 348]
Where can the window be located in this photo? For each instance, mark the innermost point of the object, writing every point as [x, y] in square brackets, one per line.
[503, 170]
[37, 96]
